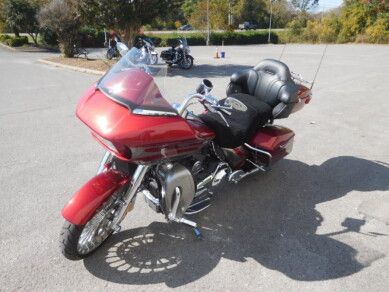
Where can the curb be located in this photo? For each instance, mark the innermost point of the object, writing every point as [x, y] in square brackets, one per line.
[74, 68]
[7, 47]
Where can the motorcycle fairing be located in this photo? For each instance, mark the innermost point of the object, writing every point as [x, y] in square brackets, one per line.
[148, 137]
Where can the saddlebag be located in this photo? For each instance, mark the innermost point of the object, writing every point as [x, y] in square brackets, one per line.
[275, 140]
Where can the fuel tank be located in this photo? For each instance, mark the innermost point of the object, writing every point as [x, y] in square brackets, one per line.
[139, 138]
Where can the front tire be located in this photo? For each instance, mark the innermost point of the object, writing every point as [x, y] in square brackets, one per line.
[69, 237]
[153, 59]
[79, 241]
[186, 62]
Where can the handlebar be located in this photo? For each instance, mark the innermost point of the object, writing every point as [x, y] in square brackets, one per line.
[209, 102]
[203, 99]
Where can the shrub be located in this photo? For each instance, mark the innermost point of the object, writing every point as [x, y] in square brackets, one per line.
[323, 31]
[91, 38]
[61, 17]
[378, 33]
[242, 38]
[229, 38]
[4, 37]
[14, 41]
[48, 37]
[169, 39]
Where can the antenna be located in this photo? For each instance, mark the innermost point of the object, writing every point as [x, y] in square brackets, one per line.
[282, 53]
[318, 68]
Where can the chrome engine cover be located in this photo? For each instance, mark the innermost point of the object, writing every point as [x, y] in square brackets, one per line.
[173, 176]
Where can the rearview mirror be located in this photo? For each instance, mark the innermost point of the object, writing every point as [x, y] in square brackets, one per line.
[204, 87]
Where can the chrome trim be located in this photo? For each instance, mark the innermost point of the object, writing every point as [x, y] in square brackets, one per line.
[220, 167]
[146, 112]
[238, 175]
[198, 211]
[150, 197]
[152, 201]
[258, 150]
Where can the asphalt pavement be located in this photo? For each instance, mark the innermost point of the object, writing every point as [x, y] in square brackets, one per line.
[317, 222]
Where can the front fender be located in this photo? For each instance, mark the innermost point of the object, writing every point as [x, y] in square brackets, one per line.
[84, 203]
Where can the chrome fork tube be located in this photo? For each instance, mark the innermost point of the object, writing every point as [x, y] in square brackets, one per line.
[128, 197]
[107, 156]
[136, 181]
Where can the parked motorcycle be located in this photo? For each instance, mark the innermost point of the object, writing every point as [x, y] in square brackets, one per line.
[172, 157]
[116, 48]
[148, 53]
[178, 55]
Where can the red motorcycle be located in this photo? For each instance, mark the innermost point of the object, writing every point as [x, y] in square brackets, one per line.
[171, 156]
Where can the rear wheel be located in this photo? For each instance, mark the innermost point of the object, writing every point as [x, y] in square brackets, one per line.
[78, 241]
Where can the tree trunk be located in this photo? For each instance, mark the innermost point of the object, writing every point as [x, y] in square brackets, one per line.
[129, 35]
[66, 47]
[34, 37]
[16, 32]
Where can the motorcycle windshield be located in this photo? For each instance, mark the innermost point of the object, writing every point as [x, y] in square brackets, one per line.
[137, 85]
[183, 41]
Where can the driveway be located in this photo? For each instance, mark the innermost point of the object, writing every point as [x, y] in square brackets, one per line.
[318, 221]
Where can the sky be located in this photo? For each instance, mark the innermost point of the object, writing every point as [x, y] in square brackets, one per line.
[328, 4]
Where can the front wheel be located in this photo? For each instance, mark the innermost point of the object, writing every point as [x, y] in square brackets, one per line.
[186, 62]
[153, 59]
[79, 241]
[109, 55]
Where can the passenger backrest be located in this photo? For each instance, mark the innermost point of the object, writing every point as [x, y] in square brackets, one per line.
[271, 82]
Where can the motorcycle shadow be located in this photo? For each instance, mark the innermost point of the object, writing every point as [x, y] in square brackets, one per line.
[270, 218]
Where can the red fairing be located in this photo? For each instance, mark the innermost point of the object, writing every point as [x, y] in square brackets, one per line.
[147, 138]
[90, 197]
[276, 140]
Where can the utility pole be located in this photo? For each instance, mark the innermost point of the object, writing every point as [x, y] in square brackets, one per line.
[230, 21]
[208, 25]
[271, 14]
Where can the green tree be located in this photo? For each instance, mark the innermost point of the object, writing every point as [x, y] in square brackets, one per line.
[188, 7]
[127, 17]
[2, 16]
[251, 10]
[218, 14]
[282, 13]
[20, 16]
[63, 18]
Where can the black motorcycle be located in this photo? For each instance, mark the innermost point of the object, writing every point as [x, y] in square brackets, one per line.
[178, 55]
